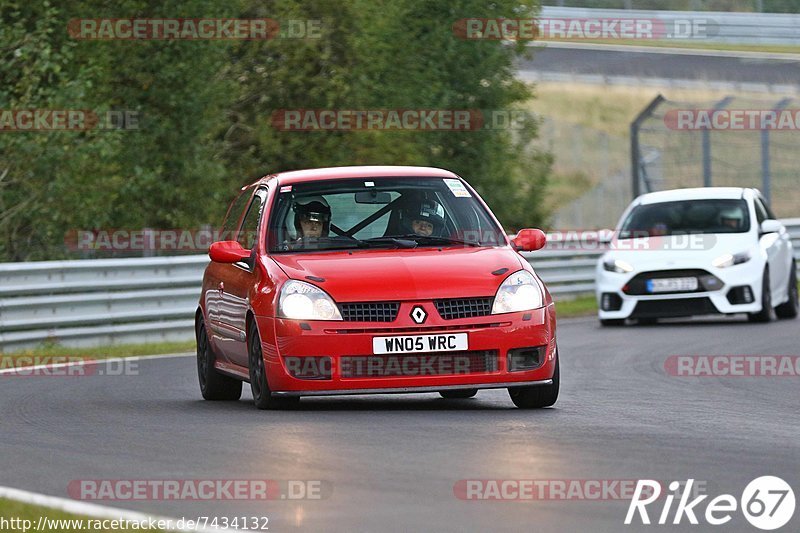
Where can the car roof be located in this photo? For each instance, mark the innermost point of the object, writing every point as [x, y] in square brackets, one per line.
[697, 193]
[357, 172]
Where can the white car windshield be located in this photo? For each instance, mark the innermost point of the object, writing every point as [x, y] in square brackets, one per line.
[686, 217]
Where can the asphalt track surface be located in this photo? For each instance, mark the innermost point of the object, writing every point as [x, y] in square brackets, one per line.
[392, 461]
[659, 65]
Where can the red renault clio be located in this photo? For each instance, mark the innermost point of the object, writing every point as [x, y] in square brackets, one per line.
[372, 280]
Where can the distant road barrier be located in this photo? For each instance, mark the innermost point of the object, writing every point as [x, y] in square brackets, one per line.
[142, 300]
[698, 26]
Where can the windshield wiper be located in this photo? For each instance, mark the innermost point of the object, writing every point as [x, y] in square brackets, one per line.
[432, 239]
[399, 241]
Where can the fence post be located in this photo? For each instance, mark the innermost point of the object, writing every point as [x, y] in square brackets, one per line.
[707, 144]
[766, 174]
[636, 155]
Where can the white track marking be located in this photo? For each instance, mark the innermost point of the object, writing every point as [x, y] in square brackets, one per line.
[15, 369]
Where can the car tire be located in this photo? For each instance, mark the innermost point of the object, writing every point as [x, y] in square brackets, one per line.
[537, 396]
[612, 322]
[262, 395]
[458, 394]
[765, 315]
[213, 385]
[789, 308]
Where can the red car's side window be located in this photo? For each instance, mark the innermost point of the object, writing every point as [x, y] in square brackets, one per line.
[234, 215]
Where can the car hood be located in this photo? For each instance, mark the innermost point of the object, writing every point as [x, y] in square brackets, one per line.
[679, 251]
[415, 274]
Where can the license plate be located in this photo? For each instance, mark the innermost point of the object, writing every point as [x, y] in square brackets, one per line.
[420, 343]
[672, 285]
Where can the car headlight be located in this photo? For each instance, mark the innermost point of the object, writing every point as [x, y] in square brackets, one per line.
[727, 260]
[519, 292]
[303, 301]
[617, 265]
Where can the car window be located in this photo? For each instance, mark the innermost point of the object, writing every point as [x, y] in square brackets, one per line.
[367, 213]
[346, 213]
[767, 211]
[686, 216]
[234, 215]
[761, 212]
[249, 230]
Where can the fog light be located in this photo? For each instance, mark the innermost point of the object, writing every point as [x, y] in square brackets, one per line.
[610, 302]
[522, 359]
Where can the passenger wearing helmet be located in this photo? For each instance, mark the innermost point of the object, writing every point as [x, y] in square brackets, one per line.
[731, 218]
[312, 217]
[426, 218]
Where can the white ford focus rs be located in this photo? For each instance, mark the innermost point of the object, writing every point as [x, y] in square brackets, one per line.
[684, 252]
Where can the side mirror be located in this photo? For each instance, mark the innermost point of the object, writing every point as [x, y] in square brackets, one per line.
[529, 240]
[771, 226]
[227, 252]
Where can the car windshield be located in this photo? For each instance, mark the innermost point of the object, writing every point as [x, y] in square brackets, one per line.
[686, 216]
[379, 213]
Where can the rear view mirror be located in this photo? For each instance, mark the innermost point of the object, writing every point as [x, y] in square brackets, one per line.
[227, 252]
[771, 226]
[373, 197]
[529, 240]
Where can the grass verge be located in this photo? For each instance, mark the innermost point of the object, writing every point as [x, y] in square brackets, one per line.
[99, 352]
[580, 306]
[27, 516]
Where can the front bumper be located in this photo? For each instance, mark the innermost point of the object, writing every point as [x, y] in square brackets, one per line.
[682, 304]
[347, 341]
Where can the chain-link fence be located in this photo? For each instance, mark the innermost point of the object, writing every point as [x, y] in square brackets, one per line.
[592, 184]
[734, 141]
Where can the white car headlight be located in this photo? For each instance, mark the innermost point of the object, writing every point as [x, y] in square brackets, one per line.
[618, 265]
[303, 301]
[727, 260]
[519, 292]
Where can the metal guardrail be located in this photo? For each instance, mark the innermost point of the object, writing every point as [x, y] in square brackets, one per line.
[140, 300]
[714, 26]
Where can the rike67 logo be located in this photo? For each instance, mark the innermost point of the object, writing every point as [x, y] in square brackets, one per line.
[767, 502]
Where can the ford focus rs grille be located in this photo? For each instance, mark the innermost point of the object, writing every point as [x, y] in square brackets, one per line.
[369, 311]
[456, 308]
[419, 364]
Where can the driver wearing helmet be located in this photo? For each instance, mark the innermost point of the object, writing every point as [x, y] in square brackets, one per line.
[426, 218]
[731, 218]
[312, 218]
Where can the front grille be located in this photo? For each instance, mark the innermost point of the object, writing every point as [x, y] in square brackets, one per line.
[419, 364]
[674, 308]
[455, 308]
[705, 281]
[369, 311]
